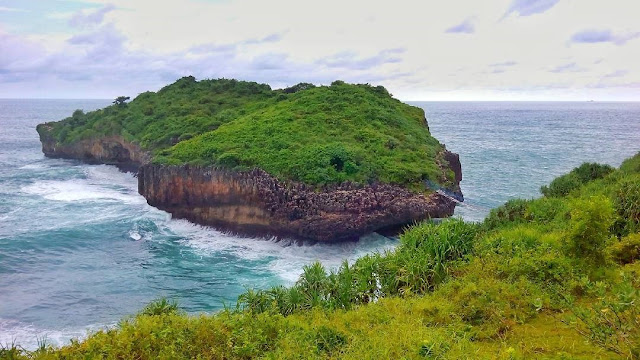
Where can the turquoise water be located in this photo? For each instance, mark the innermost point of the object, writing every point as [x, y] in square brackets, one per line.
[80, 249]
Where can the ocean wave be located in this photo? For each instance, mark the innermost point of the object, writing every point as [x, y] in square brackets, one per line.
[284, 258]
[29, 336]
[99, 185]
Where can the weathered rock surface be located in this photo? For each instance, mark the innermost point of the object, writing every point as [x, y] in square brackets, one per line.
[110, 150]
[256, 203]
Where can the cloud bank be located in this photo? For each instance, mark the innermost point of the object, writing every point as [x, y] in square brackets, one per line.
[530, 7]
[602, 36]
[101, 49]
[465, 27]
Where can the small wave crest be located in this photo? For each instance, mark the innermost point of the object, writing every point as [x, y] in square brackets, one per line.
[284, 258]
[81, 190]
[29, 336]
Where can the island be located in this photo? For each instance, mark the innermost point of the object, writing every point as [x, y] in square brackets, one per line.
[318, 163]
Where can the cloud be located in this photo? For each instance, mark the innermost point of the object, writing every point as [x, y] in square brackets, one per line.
[592, 36]
[530, 7]
[60, 15]
[85, 18]
[141, 45]
[617, 73]
[105, 42]
[504, 64]
[267, 39]
[609, 85]
[17, 53]
[500, 67]
[567, 68]
[269, 61]
[465, 27]
[100, 56]
[349, 60]
[10, 9]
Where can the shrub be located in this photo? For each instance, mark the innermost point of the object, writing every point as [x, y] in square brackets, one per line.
[229, 159]
[547, 210]
[631, 165]
[626, 250]
[313, 283]
[589, 228]
[512, 211]
[328, 339]
[298, 87]
[160, 307]
[526, 251]
[427, 249]
[613, 322]
[627, 204]
[563, 185]
[78, 114]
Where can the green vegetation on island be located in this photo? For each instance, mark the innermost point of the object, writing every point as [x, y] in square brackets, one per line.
[554, 277]
[316, 135]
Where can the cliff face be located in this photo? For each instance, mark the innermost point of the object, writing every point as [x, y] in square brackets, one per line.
[111, 150]
[256, 203]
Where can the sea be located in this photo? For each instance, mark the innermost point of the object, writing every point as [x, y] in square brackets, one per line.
[80, 250]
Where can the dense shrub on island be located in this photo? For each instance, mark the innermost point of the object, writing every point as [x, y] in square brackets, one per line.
[317, 135]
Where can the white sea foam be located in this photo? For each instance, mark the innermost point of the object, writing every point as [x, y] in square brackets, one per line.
[284, 258]
[102, 183]
[28, 336]
[33, 167]
[135, 235]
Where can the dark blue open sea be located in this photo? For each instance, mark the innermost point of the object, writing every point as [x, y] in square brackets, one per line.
[80, 249]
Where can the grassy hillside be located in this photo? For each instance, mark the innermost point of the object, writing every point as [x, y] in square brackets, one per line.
[556, 277]
[317, 135]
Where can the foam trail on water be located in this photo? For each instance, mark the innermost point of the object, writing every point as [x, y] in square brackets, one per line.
[284, 258]
[28, 336]
[100, 183]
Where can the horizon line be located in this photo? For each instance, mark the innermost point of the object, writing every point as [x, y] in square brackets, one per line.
[403, 100]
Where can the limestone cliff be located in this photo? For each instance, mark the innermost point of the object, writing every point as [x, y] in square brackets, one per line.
[256, 203]
[111, 150]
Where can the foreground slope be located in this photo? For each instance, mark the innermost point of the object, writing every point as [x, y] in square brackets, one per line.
[326, 163]
[551, 278]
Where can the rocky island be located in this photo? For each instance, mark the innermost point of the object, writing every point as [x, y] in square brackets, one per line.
[326, 163]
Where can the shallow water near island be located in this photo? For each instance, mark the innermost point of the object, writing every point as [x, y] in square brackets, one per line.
[80, 249]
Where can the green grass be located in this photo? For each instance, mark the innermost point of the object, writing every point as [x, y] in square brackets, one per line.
[315, 135]
[550, 278]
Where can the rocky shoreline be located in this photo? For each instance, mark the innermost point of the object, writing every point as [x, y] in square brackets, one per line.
[258, 204]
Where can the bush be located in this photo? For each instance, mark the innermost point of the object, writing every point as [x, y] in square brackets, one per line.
[631, 165]
[589, 228]
[329, 340]
[547, 210]
[563, 185]
[427, 250]
[526, 251]
[160, 307]
[512, 211]
[627, 204]
[626, 250]
[612, 323]
[229, 159]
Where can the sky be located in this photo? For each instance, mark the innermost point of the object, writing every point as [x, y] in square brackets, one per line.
[432, 50]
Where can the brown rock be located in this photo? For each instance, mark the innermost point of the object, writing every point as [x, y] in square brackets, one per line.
[256, 203]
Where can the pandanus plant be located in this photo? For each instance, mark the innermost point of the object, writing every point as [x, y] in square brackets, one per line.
[421, 261]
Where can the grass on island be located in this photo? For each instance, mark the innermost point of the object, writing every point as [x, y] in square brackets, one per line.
[552, 278]
[316, 135]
